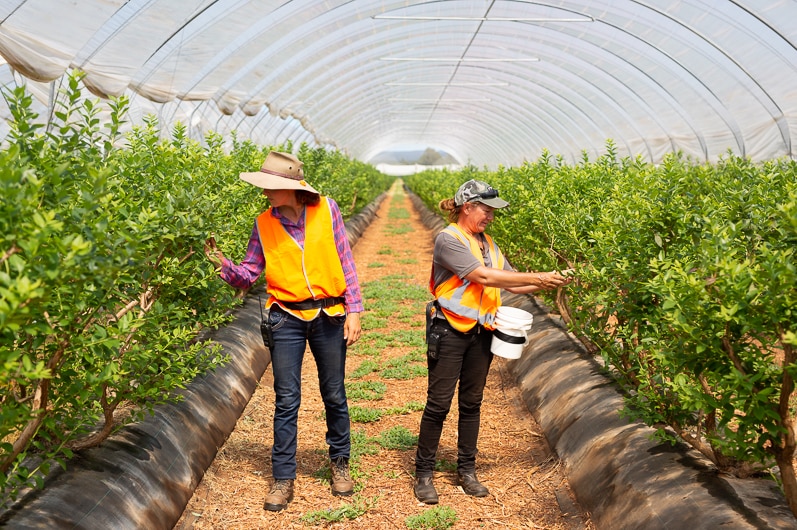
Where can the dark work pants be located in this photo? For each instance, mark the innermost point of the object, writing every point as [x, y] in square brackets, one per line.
[463, 360]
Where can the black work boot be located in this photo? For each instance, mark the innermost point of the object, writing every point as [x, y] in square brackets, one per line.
[280, 495]
[424, 490]
[471, 485]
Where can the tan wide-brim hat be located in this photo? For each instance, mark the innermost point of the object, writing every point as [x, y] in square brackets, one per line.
[280, 171]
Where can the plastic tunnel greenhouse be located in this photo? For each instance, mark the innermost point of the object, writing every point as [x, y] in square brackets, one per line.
[488, 81]
[648, 149]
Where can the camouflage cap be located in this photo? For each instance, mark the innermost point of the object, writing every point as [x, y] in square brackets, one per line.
[478, 191]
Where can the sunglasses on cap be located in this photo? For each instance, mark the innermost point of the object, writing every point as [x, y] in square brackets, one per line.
[489, 194]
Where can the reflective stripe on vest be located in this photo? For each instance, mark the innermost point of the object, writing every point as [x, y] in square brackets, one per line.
[466, 303]
[294, 273]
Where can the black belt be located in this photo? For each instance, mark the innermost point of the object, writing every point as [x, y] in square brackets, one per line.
[475, 330]
[313, 303]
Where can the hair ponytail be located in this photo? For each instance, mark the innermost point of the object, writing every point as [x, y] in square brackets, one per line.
[448, 205]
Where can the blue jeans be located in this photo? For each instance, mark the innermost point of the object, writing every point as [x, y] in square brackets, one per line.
[464, 360]
[325, 337]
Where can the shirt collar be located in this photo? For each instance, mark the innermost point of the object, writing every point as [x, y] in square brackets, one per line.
[285, 221]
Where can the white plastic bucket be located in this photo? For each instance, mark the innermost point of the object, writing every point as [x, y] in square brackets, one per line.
[514, 316]
[505, 324]
[514, 323]
[509, 350]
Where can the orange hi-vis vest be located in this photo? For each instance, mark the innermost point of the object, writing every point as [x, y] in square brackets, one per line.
[293, 273]
[465, 303]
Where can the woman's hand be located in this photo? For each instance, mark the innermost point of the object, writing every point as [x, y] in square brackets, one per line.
[552, 280]
[351, 328]
[519, 282]
[214, 255]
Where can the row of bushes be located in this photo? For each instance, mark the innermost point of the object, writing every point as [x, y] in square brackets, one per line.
[104, 286]
[686, 286]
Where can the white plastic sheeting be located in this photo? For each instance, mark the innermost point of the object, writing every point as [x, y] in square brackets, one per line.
[489, 81]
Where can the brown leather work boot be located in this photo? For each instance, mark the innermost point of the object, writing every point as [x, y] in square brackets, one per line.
[342, 484]
[280, 495]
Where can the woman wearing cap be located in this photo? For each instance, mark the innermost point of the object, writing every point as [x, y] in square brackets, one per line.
[468, 272]
[313, 297]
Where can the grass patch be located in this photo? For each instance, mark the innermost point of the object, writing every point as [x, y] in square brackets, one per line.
[366, 390]
[364, 414]
[361, 444]
[400, 229]
[386, 284]
[398, 438]
[398, 213]
[411, 318]
[384, 308]
[402, 337]
[445, 465]
[367, 348]
[412, 406]
[365, 368]
[406, 367]
[370, 321]
[405, 360]
[359, 506]
[371, 415]
[437, 518]
[404, 372]
[382, 341]
[385, 292]
[418, 355]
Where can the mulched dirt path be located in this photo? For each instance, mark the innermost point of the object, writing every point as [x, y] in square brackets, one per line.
[527, 483]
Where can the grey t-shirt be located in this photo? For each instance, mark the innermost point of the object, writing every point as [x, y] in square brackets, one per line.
[452, 257]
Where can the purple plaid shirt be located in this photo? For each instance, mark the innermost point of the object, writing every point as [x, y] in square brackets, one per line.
[242, 276]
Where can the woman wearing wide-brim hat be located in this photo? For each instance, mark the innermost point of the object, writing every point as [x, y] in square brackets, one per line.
[313, 298]
[468, 273]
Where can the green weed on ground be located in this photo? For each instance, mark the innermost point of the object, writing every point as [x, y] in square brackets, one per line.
[437, 518]
[353, 510]
[365, 390]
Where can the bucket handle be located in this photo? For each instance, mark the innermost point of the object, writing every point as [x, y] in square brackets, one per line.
[511, 339]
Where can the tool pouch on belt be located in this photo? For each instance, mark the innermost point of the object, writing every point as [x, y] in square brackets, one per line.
[433, 331]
